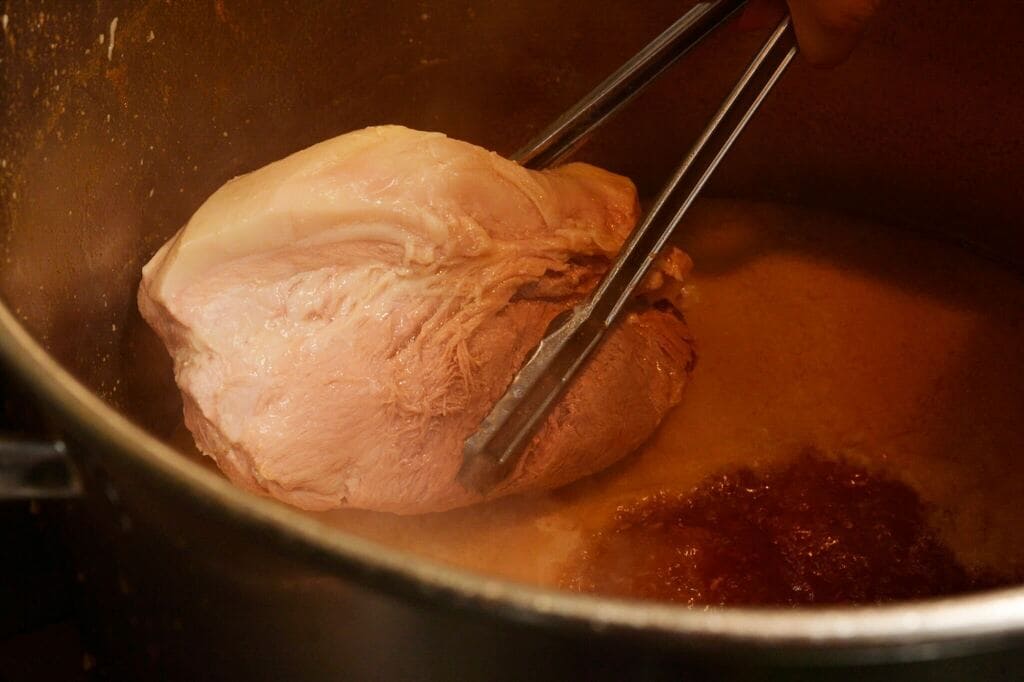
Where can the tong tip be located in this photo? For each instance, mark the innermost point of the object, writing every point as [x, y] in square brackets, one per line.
[479, 472]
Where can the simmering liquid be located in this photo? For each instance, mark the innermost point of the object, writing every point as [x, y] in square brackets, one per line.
[893, 354]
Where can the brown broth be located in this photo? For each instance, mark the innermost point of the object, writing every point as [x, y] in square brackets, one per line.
[816, 531]
[896, 353]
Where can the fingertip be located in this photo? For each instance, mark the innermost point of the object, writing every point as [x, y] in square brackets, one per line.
[829, 32]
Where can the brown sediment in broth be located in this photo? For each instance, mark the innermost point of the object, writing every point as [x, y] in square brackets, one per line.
[814, 531]
[889, 351]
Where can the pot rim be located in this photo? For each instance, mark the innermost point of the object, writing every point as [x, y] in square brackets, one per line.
[902, 631]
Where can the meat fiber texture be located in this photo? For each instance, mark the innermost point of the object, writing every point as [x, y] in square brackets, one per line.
[341, 320]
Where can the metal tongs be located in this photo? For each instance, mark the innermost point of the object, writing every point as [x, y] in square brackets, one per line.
[492, 452]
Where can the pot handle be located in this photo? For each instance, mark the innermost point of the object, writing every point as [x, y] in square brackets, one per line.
[36, 469]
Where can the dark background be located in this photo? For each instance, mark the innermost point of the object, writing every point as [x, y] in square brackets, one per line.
[41, 636]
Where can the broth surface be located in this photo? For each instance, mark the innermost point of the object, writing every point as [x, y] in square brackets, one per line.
[889, 350]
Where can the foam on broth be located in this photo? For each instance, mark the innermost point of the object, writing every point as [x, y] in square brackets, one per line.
[892, 350]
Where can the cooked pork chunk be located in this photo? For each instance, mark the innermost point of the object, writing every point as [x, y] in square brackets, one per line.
[342, 319]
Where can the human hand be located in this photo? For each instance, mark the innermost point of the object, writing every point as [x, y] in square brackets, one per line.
[827, 30]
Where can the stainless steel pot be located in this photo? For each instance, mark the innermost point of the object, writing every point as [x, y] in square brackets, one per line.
[118, 118]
